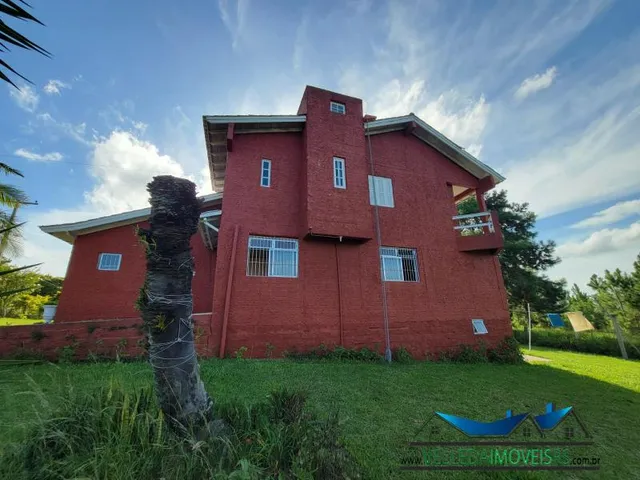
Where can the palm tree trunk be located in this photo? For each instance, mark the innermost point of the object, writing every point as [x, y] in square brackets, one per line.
[166, 304]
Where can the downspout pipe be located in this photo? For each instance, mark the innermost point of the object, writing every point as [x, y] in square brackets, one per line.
[385, 310]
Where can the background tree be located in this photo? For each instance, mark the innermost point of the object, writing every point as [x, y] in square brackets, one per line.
[524, 259]
[15, 282]
[581, 301]
[618, 293]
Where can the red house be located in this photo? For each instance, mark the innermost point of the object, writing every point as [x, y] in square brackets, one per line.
[329, 227]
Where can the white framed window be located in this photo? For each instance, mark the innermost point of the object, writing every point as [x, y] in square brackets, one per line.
[272, 257]
[109, 261]
[399, 264]
[265, 173]
[337, 107]
[380, 191]
[479, 328]
[339, 174]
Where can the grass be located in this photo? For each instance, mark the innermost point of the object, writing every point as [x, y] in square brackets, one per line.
[10, 322]
[381, 406]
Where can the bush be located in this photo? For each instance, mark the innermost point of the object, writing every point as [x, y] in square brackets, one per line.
[600, 343]
[338, 353]
[401, 355]
[506, 351]
[113, 433]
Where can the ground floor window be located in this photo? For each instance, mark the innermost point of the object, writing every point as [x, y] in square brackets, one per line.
[272, 257]
[399, 264]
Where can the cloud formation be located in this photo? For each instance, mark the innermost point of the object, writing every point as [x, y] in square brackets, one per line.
[613, 214]
[53, 87]
[26, 97]
[535, 83]
[37, 157]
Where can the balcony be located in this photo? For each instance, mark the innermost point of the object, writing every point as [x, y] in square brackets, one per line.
[478, 232]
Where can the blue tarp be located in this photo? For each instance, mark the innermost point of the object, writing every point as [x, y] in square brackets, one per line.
[555, 319]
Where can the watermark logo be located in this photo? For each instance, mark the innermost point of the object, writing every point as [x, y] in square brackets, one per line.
[556, 439]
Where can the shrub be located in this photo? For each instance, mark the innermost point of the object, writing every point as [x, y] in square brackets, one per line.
[601, 343]
[322, 352]
[506, 351]
[113, 433]
[37, 335]
[240, 353]
[401, 355]
[66, 354]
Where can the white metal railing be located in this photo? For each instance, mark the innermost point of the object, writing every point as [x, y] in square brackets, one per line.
[474, 223]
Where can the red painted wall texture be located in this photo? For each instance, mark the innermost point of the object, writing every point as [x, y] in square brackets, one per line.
[90, 294]
[337, 297]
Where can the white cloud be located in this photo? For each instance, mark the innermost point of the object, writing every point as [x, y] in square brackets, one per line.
[53, 87]
[610, 215]
[234, 21]
[122, 165]
[26, 97]
[38, 157]
[602, 250]
[536, 83]
[76, 132]
[602, 241]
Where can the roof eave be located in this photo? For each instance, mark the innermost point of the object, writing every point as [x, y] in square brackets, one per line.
[69, 231]
[398, 123]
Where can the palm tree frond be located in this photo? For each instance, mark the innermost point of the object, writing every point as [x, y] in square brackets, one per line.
[11, 196]
[7, 170]
[17, 269]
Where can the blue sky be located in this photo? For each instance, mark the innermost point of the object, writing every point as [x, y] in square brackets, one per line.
[547, 92]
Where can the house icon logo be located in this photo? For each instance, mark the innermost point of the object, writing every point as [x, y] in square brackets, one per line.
[563, 424]
[556, 439]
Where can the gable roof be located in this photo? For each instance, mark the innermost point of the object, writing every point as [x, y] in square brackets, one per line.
[216, 129]
[69, 231]
[437, 140]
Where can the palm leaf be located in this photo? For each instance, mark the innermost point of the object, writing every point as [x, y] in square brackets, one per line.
[17, 269]
[8, 293]
[6, 169]
[10, 36]
[11, 196]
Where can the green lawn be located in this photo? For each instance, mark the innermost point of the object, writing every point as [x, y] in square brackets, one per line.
[8, 322]
[382, 405]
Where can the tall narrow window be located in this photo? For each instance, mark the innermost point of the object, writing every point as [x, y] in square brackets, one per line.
[272, 257]
[109, 261]
[399, 264]
[337, 107]
[339, 175]
[380, 191]
[265, 177]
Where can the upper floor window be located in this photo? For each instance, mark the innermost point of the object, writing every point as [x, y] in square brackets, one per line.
[380, 191]
[399, 264]
[272, 257]
[337, 107]
[265, 176]
[109, 261]
[339, 176]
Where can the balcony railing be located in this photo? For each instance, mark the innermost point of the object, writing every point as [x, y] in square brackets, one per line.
[478, 231]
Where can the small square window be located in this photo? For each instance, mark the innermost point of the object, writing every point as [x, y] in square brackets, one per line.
[109, 261]
[265, 173]
[337, 107]
[479, 328]
[339, 177]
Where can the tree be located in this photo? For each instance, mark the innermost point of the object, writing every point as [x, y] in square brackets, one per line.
[49, 286]
[618, 293]
[14, 283]
[523, 258]
[166, 305]
[580, 301]
[9, 36]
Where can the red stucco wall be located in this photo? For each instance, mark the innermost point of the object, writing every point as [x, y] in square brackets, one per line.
[337, 296]
[90, 294]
